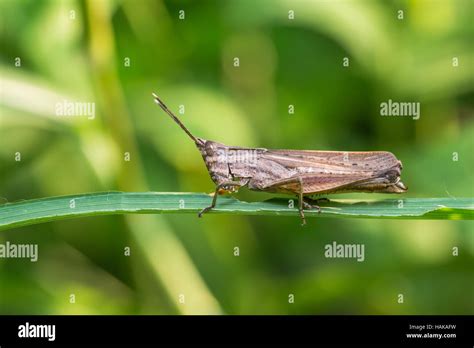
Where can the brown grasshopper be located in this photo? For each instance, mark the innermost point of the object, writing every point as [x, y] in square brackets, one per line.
[301, 172]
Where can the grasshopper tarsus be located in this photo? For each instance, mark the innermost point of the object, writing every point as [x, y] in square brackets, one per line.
[204, 211]
[310, 203]
[308, 206]
[303, 220]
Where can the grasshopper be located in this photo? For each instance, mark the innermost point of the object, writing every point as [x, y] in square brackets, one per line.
[304, 173]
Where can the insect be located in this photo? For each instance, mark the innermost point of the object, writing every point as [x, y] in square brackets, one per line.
[304, 173]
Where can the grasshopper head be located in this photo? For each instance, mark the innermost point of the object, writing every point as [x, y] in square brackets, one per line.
[214, 155]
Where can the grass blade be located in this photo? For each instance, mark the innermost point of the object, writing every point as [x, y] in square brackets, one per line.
[36, 211]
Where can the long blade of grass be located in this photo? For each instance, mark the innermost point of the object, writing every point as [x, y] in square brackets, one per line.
[36, 211]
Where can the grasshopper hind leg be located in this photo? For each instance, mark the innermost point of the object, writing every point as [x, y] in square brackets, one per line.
[301, 202]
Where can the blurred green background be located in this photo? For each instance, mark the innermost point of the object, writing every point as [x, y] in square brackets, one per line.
[115, 53]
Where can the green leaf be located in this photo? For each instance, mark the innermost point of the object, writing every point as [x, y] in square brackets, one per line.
[31, 212]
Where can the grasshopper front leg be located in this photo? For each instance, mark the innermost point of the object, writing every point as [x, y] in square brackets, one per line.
[216, 193]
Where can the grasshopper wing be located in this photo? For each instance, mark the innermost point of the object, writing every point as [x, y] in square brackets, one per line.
[332, 161]
[315, 184]
[328, 172]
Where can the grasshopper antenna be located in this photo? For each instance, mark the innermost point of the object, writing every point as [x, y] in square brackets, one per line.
[176, 119]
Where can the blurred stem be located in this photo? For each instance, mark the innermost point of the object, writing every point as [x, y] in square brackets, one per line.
[107, 86]
[163, 250]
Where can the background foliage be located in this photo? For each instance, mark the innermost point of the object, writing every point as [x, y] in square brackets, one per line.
[79, 56]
